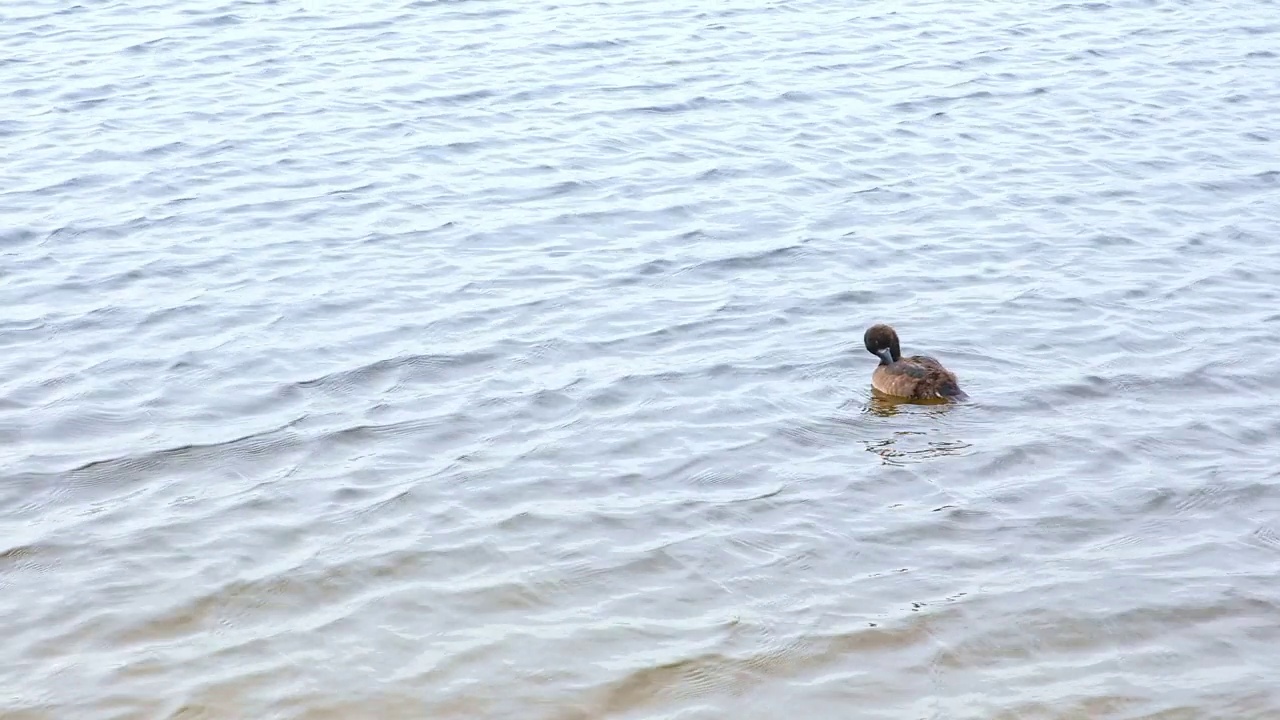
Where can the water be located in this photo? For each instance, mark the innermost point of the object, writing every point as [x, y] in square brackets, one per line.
[497, 359]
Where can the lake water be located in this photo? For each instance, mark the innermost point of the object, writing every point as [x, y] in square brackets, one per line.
[487, 359]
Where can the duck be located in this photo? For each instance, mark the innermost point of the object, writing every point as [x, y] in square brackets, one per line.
[918, 377]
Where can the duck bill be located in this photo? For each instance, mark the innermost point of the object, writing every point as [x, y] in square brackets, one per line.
[886, 356]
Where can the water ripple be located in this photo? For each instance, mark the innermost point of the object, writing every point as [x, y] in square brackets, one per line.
[462, 358]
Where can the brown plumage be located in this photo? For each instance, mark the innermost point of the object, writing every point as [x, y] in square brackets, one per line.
[918, 377]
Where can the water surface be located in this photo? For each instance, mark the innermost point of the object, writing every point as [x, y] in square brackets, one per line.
[496, 359]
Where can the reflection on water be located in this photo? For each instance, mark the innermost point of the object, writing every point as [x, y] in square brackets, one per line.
[482, 359]
[888, 405]
[905, 447]
[900, 446]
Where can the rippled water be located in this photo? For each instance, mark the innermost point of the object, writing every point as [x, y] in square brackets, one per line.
[494, 359]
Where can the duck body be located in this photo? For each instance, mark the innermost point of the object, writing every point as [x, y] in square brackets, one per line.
[918, 377]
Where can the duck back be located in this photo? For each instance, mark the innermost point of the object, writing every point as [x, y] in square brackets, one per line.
[918, 377]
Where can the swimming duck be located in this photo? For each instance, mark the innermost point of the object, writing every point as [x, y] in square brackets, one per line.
[919, 377]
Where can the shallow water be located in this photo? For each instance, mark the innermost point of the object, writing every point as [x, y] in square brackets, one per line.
[494, 359]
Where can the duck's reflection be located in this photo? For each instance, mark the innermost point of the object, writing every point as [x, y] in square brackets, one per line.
[898, 446]
[886, 405]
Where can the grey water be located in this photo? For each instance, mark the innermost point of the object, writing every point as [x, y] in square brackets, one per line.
[495, 359]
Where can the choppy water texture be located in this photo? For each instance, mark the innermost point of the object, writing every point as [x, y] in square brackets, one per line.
[488, 359]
